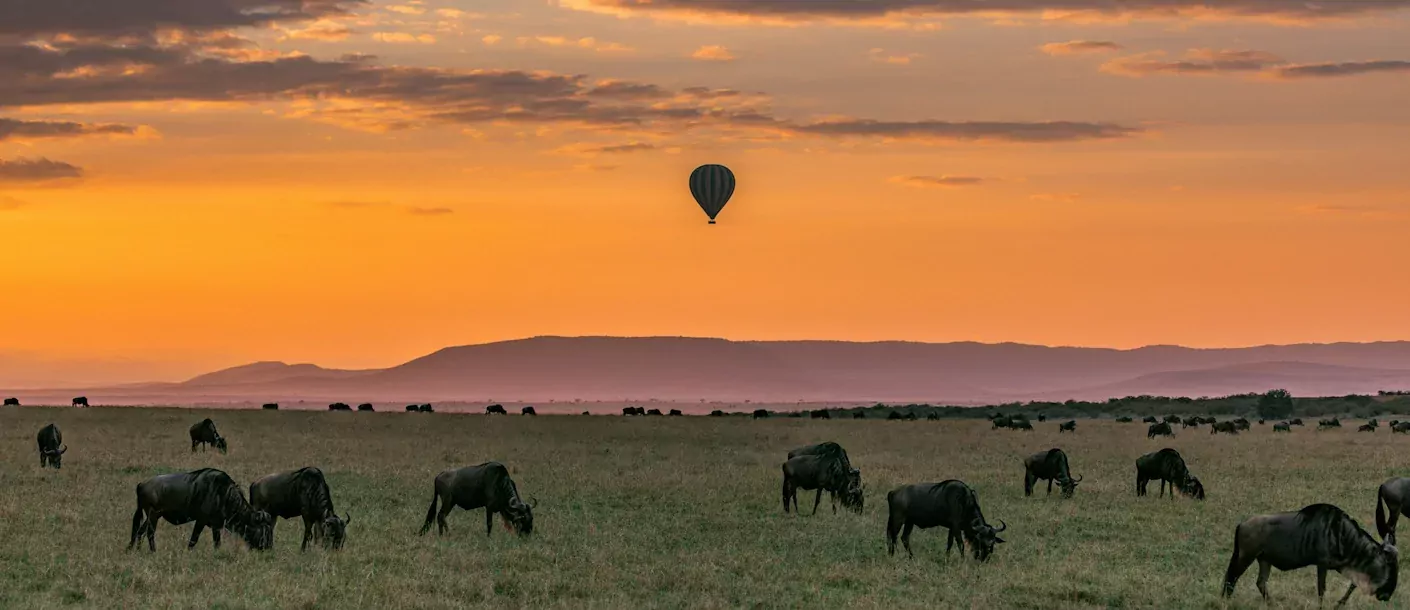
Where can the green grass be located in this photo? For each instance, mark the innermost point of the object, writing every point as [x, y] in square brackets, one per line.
[659, 512]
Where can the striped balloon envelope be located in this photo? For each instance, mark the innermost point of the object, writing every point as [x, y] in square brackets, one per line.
[712, 186]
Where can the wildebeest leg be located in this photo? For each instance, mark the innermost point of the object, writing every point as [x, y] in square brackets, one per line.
[308, 531]
[1348, 594]
[152, 532]
[832, 497]
[1263, 569]
[1162, 489]
[195, 535]
[787, 493]
[891, 529]
[441, 526]
[817, 500]
[1050, 487]
[1028, 480]
[906, 540]
[1321, 583]
[1238, 563]
[215, 534]
[137, 528]
[950, 543]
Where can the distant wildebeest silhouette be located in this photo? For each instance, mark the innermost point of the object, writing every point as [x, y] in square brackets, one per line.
[1295, 421]
[271, 406]
[51, 446]
[1124, 419]
[1319, 535]
[586, 413]
[717, 413]
[413, 408]
[12, 402]
[654, 412]
[1192, 422]
[1366, 428]
[1226, 427]
[1160, 429]
[895, 416]
[528, 411]
[495, 410]
[426, 408]
[1042, 417]
[761, 413]
[629, 411]
[1150, 419]
[1068, 426]
[675, 413]
[1021, 424]
[859, 415]
[1327, 424]
[1172, 419]
[819, 414]
[1167, 466]
[366, 406]
[339, 406]
[81, 401]
[1282, 427]
[1401, 428]
[203, 433]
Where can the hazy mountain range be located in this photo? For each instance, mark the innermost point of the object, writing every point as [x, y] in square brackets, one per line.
[680, 369]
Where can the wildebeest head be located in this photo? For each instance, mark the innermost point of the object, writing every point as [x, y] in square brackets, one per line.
[853, 492]
[520, 515]
[1379, 575]
[335, 530]
[220, 444]
[257, 529]
[982, 538]
[56, 456]
[1193, 488]
[1069, 486]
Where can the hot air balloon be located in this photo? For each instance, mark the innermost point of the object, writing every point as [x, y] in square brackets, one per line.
[712, 186]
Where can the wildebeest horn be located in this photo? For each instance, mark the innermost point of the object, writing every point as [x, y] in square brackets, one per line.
[1002, 526]
[347, 518]
[1078, 479]
[62, 450]
[533, 502]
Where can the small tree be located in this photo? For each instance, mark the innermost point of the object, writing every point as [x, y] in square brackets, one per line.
[1275, 404]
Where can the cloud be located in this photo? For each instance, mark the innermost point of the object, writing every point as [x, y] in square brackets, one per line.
[1054, 131]
[37, 170]
[323, 29]
[1348, 68]
[595, 167]
[1074, 47]
[589, 43]
[406, 10]
[592, 150]
[420, 211]
[128, 17]
[403, 38]
[713, 52]
[491, 40]
[938, 181]
[1196, 62]
[1056, 197]
[881, 56]
[627, 90]
[886, 12]
[12, 129]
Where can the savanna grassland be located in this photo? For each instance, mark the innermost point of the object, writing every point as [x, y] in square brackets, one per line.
[660, 512]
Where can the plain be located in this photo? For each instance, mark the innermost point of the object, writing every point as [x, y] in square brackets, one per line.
[661, 512]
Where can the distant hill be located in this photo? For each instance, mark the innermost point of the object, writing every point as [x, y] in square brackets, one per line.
[684, 369]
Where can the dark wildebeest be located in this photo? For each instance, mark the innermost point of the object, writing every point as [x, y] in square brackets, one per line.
[1226, 427]
[301, 493]
[203, 433]
[851, 495]
[1124, 419]
[859, 415]
[339, 406]
[633, 411]
[366, 406]
[1001, 421]
[1068, 426]
[81, 401]
[1160, 429]
[1392, 501]
[1042, 417]
[426, 408]
[653, 412]
[1393, 422]
[495, 410]
[910, 416]
[1211, 420]
[675, 412]
[12, 402]
[51, 446]
[1282, 427]
[823, 473]
[1242, 423]
[1050, 465]
[819, 414]
[1295, 422]
[487, 485]
[1192, 422]
[587, 413]
[932, 417]
[1150, 419]
[1366, 428]
[1373, 423]
[271, 406]
[894, 416]
[761, 413]
[717, 413]
[949, 504]
[1167, 466]
[207, 496]
[1328, 423]
[1262, 421]
[413, 408]
[1319, 535]
[1402, 427]
[1021, 424]
[1172, 419]
[528, 411]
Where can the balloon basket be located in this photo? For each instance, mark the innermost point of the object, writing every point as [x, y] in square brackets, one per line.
[712, 222]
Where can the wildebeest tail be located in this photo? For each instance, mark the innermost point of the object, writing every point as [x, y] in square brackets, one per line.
[138, 521]
[785, 488]
[1381, 525]
[1230, 574]
[431, 512]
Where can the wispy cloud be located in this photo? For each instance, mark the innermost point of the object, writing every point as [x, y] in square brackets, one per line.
[323, 29]
[37, 170]
[1075, 47]
[593, 150]
[713, 52]
[1055, 131]
[403, 38]
[1197, 62]
[1347, 68]
[897, 59]
[561, 42]
[14, 129]
[938, 181]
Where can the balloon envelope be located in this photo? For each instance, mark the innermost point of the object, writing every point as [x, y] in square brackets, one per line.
[712, 186]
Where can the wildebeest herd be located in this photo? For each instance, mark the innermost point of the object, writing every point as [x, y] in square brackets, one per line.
[1319, 535]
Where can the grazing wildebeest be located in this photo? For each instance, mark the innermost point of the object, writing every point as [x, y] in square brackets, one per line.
[528, 411]
[1211, 420]
[1167, 466]
[1124, 419]
[426, 408]
[1150, 419]
[1402, 427]
[81, 401]
[1042, 417]
[1160, 429]
[653, 412]
[487, 485]
[1319, 535]
[717, 413]
[366, 406]
[413, 408]
[948, 504]
[207, 496]
[628, 411]
[495, 410]
[1021, 424]
[1050, 465]
[852, 492]
[911, 416]
[823, 472]
[1172, 419]
[1392, 501]
[12, 402]
[859, 415]
[339, 406]
[1226, 427]
[271, 406]
[1191, 422]
[1373, 423]
[301, 493]
[1001, 421]
[819, 414]
[1366, 428]
[761, 413]
[1262, 421]
[675, 412]
[51, 446]
[1241, 424]
[203, 433]
[1328, 423]
[1295, 421]
[894, 416]
[1068, 426]
[1282, 427]
[1393, 422]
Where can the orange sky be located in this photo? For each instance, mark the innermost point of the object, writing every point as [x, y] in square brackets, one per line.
[200, 183]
